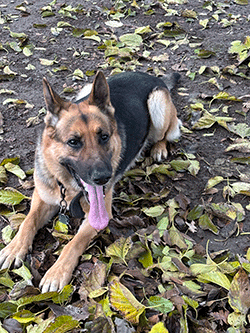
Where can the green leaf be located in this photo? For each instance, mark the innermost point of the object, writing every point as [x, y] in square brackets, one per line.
[114, 24]
[11, 196]
[124, 301]
[119, 249]
[3, 175]
[241, 129]
[160, 304]
[15, 169]
[63, 295]
[15, 46]
[215, 277]
[62, 324]
[27, 51]
[63, 24]
[7, 309]
[176, 238]
[242, 145]
[7, 234]
[19, 35]
[47, 62]
[194, 167]
[191, 302]
[226, 96]
[7, 282]
[78, 73]
[195, 213]
[213, 182]
[241, 2]
[154, 211]
[143, 30]
[146, 258]
[206, 121]
[204, 23]
[162, 225]
[204, 54]
[241, 188]
[206, 224]
[24, 272]
[131, 40]
[180, 165]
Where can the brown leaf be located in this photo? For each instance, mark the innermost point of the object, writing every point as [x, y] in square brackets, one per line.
[239, 292]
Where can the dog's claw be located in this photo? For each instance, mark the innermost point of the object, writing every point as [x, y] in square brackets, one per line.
[55, 279]
[13, 252]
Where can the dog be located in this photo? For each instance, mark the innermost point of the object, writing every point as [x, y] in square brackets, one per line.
[84, 149]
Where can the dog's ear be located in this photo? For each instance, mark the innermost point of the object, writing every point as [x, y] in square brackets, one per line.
[100, 95]
[54, 104]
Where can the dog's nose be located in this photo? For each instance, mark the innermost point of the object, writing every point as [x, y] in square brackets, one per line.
[101, 180]
[101, 175]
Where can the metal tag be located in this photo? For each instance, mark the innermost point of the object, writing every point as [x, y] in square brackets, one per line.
[64, 219]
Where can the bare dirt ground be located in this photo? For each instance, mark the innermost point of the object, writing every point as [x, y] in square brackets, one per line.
[204, 185]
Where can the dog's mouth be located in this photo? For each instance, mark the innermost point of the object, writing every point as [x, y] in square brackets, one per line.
[94, 194]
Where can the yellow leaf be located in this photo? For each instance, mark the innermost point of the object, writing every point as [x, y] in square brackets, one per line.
[124, 301]
[158, 328]
[119, 249]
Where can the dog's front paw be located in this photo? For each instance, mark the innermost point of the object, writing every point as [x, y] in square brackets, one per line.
[56, 278]
[159, 151]
[15, 252]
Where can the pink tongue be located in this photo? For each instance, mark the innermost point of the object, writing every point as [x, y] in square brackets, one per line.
[98, 215]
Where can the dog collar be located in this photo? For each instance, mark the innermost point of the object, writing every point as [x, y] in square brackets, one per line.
[75, 208]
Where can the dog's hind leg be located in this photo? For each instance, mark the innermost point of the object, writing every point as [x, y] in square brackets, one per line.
[16, 250]
[165, 126]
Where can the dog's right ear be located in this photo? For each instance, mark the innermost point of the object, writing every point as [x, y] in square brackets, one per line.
[54, 104]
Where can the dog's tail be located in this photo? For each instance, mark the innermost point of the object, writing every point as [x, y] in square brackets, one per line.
[171, 80]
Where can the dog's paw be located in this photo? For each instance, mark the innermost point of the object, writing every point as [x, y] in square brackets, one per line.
[15, 252]
[159, 151]
[57, 277]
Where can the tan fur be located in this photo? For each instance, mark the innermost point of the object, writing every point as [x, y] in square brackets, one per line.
[165, 126]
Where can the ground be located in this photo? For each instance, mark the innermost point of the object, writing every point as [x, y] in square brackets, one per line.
[202, 189]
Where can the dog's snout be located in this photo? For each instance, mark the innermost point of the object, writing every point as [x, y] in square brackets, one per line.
[101, 177]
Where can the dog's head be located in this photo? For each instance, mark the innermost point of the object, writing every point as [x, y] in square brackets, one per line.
[82, 137]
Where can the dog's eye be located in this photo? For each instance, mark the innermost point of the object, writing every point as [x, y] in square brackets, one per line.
[74, 143]
[104, 137]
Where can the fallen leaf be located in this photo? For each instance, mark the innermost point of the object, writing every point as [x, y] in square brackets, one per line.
[239, 292]
[119, 249]
[124, 301]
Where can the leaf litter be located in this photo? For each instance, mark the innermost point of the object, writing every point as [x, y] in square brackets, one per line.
[152, 270]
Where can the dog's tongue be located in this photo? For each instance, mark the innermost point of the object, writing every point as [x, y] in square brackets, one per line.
[98, 215]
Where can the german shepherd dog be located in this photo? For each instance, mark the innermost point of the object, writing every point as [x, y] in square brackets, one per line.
[86, 147]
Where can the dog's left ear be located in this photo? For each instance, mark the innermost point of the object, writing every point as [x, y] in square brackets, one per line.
[100, 95]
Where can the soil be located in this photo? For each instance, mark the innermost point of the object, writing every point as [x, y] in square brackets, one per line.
[19, 139]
